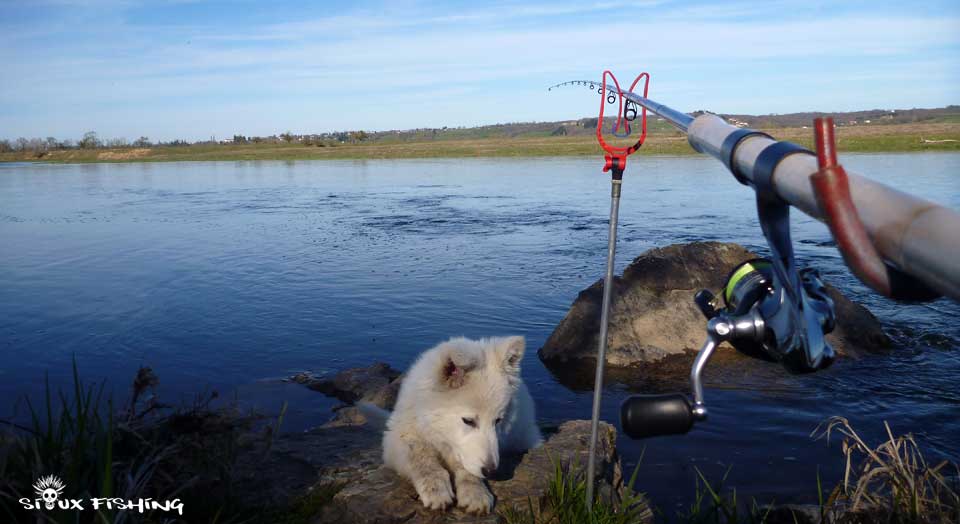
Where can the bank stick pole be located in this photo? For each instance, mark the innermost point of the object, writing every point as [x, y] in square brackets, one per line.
[604, 322]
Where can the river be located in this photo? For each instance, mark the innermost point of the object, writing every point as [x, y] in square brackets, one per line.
[234, 275]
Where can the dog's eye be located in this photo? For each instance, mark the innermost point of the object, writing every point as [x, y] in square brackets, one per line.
[498, 421]
[470, 422]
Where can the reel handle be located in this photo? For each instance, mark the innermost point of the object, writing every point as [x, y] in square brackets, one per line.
[673, 413]
[643, 416]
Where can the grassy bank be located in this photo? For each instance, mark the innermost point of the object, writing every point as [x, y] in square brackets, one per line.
[663, 141]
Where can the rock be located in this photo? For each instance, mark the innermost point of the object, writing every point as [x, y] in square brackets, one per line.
[303, 377]
[346, 416]
[857, 329]
[377, 384]
[790, 514]
[348, 457]
[385, 396]
[286, 471]
[653, 315]
[373, 493]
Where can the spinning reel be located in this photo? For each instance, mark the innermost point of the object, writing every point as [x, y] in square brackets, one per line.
[772, 311]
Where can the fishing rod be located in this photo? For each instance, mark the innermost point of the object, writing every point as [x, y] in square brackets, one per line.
[912, 235]
[899, 245]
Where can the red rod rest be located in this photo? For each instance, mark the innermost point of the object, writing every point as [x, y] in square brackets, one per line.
[616, 159]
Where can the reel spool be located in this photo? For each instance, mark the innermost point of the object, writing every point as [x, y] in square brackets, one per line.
[747, 284]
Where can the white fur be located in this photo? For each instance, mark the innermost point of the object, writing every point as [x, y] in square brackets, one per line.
[427, 440]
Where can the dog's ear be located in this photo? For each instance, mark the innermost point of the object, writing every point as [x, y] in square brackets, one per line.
[456, 365]
[510, 352]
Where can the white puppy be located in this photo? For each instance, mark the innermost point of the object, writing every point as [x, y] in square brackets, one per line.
[460, 404]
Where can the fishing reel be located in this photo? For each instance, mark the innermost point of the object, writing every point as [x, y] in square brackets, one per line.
[758, 320]
[771, 310]
[750, 295]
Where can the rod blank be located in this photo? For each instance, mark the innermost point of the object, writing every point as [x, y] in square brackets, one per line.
[681, 120]
[918, 236]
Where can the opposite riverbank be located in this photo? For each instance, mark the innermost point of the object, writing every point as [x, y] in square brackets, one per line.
[661, 141]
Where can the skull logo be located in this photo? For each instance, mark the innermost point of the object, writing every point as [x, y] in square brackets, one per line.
[49, 488]
[49, 497]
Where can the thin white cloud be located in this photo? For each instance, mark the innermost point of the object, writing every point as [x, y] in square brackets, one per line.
[332, 62]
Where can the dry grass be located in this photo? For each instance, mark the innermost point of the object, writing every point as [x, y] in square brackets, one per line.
[129, 154]
[892, 479]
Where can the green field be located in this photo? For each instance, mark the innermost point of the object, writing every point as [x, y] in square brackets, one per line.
[941, 136]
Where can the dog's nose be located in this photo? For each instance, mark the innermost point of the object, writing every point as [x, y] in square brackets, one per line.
[488, 471]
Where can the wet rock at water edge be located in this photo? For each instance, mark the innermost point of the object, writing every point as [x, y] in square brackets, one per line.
[377, 384]
[653, 316]
[372, 493]
[347, 461]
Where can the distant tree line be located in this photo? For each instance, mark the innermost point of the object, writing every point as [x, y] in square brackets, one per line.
[315, 139]
[90, 140]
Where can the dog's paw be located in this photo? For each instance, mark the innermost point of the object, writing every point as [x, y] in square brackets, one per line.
[435, 492]
[474, 497]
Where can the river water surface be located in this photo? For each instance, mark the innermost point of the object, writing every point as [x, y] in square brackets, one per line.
[233, 275]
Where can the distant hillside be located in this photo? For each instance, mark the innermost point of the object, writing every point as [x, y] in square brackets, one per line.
[949, 114]
[587, 126]
[865, 131]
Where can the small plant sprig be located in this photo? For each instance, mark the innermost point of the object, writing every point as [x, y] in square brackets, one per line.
[565, 502]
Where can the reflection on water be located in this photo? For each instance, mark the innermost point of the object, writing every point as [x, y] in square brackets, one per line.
[234, 274]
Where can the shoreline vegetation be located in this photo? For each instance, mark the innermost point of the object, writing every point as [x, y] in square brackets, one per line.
[565, 139]
[197, 454]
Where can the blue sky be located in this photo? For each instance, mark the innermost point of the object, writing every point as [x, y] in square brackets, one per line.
[185, 69]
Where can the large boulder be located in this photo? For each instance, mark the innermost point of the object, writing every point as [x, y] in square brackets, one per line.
[653, 316]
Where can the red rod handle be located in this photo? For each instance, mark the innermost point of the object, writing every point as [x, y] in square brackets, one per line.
[832, 190]
[826, 145]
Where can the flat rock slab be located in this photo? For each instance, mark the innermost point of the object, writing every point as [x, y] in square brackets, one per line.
[287, 470]
[653, 316]
[372, 493]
